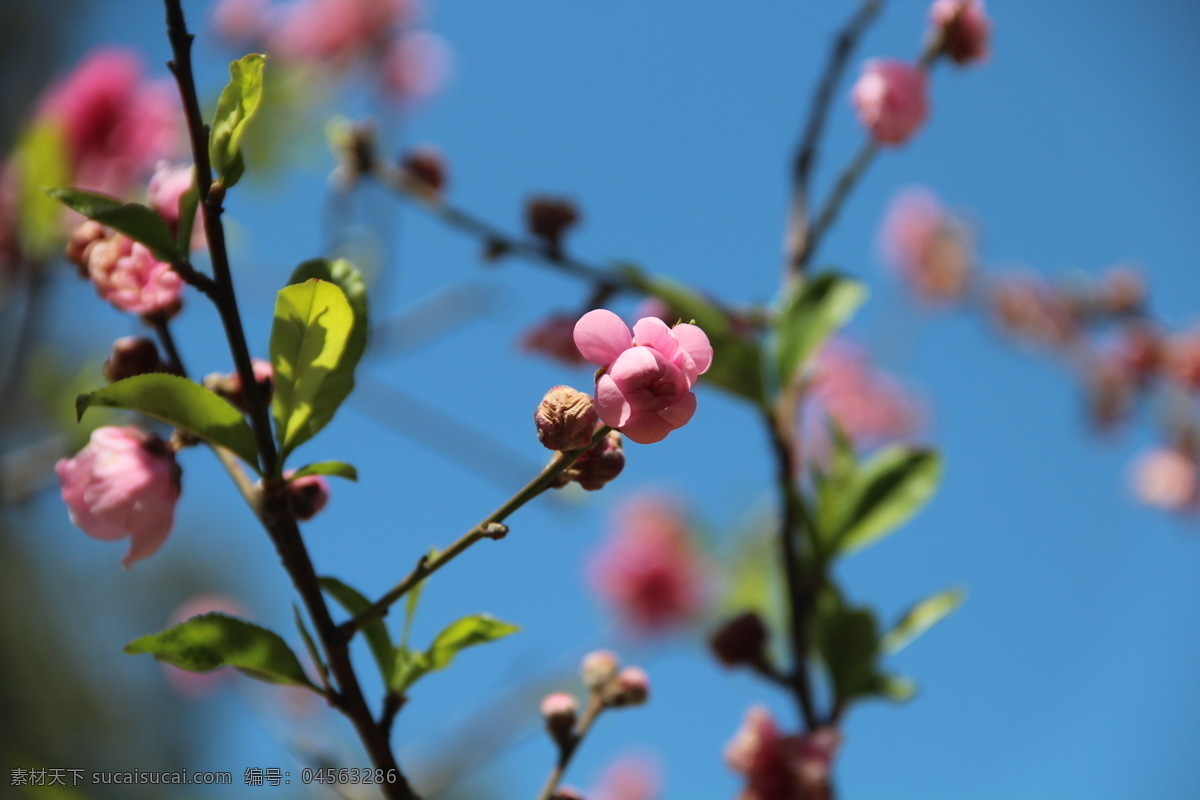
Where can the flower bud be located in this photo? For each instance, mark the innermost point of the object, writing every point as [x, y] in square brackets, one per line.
[740, 640]
[1123, 292]
[307, 496]
[599, 668]
[601, 464]
[631, 688]
[565, 419]
[559, 712]
[229, 385]
[425, 167]
[80, 244]
[965, 28]
[566, 793]
[890, 99]
[131, 356]
[548, 218]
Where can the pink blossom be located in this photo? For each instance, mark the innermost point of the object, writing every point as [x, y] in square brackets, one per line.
[307, 495]
[129, 277]
[966, 26]
[334, 30]
[552, 337]
[890, 98]
[415, 65]
[115, 124]
[1183, 359]
[629, 778]
[1166, 478]
[125, 482]
[168, 184]
[1024, 306]
[649, 570]
[198, 685]
[780, 767]
[645, 388]
[871, 406]
[239, 20]
[928, 248]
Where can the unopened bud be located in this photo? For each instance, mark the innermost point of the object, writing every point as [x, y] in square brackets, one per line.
[566, 793]
[307, 496]
[631, 688]
[354, 146]
[599, 668]
[229, 385]
[425, 167]
[80, 244]
[565, 419]
[548, 218]
[740, 640]
[601, 464]
[559, 712]
[1123, 292]
[131, 356]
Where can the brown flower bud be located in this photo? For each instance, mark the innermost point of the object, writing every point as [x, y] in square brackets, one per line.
[599, 668]
[559, 711]
[631, 688]
[229, 385]
[548, 218]
[565, 419]
[80, 244]
[740, 640]
[601, 464]
[132, 355]
[425, 167]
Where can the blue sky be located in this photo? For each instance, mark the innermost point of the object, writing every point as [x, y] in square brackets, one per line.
[1069, 672]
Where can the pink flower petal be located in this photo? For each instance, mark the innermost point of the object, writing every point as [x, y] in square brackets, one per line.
[601, 336]
[653, 332]
[695, 343]
[611, 404]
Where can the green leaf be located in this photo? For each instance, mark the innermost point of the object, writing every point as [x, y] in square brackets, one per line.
[921, 617]
[376, 632]
[313, 373]
[309, 644]
[466, 632]
[135, 221]
[209, 641]
[237, 105]
[41, 160]
[189, 201]
[350, 280]
[897, 688]
[883, 494]
[817, 309]
[412, 600]
[737, 359]
[182, 403]
[338, 469]
[848, 640]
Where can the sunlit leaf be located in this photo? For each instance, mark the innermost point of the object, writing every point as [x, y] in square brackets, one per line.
[138, 222]
[817, 309]
[921, 617]
[466, 632]
[239, 101]
[884, 493]
[337, 469]
[209, 641]
[41, 161]
[182, 403]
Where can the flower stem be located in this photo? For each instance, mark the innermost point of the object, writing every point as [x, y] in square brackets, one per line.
[567, 750]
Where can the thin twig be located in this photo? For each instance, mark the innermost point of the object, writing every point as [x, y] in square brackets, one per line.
[797, 234]
[426, 566]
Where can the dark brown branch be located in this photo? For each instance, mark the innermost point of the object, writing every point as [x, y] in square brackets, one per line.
[798, 235]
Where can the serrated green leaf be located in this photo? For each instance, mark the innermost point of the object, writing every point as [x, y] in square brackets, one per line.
[737, 359]
[136, 221]
[883, 494]
[313, 374]
[337, 469]
[41, 160]
[815, 310]
[376, 632]
[239, 101]
[456, 637]
[209, 641]
[921, 617]
[182, 403]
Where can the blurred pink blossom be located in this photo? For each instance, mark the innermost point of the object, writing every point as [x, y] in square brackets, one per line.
[871, 406]
[415, 65]
[927, 247]
[629, 778]
[1182, 359]
[649, 570]
[1166, 478]
[645, 388]
[966, 26]
[1025, 307]
[891, 99]
[125, 482]
[129, 277]
[199, 685]
[553, 337]
[240, 20]
[116, 125]
[334, 30]
[780, 767]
